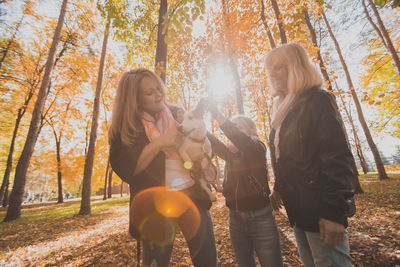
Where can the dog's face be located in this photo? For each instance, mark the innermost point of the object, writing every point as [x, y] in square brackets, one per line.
[191, 122]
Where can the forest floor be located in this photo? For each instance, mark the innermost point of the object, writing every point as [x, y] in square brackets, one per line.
[52, 235]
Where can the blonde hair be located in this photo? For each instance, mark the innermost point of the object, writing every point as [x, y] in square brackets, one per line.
[248, 124]
[302, 74]
[126, 114]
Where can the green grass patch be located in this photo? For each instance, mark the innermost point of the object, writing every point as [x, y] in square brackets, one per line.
[67, 209]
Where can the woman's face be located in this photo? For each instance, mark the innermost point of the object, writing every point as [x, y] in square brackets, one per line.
[151, 96]
[278, 75]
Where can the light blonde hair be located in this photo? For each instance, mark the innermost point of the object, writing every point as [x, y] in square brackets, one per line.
[248, 124]
[302, 74]
[126, 114]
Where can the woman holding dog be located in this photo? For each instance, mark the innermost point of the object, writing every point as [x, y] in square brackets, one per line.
[252, 225]
[143, 140]
[312, 158]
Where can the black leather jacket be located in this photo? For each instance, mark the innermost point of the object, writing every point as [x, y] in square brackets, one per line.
[245, 186]
[313, 172]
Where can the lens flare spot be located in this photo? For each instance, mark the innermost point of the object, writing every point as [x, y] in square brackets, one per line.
[158, 211]
[187, 165]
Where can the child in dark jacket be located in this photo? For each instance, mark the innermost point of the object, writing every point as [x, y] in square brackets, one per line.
[252, 225]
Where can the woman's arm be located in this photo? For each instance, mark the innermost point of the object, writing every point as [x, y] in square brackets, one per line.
[335, 156]
[254, 149]
[151, 150]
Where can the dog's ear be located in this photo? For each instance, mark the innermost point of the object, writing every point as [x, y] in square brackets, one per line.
[198, 112]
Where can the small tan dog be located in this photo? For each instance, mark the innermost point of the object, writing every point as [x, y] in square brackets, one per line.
[196, 148]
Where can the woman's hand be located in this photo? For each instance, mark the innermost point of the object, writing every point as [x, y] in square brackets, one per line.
[169, 139]
[332, 233]
[275, 199]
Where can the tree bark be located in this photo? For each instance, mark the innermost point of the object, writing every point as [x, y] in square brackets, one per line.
[14, 209]
[88, 169]
[161, 50]
[389, 43]
[374, 150]
[319, 57]
[356, 138]
[122, 187]
[105, 179]
[265, 23]
[110, 183]
[373, 23]
[278, 16]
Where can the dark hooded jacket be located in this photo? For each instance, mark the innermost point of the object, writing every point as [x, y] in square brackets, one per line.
[313, 172]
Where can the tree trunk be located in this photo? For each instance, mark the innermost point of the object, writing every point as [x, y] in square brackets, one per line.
[11, 41]
[238, 88]
[14, 209]
[6, 179]
[374, 150]
[105, 179]
[265, 23]
[161, 50]
[279, 20]
[356, 139]
[387, 39]
[122, 187]
[6, 198]
[59, 174]
[319, 57]
[88, 169]
[373, 23]
[110, 183]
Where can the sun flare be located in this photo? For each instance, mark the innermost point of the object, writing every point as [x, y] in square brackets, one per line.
[221, 84]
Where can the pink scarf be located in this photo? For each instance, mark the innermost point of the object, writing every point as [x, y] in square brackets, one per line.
[158, 125]
[281, 108]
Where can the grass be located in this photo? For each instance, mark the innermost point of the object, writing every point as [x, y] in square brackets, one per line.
[40, 213]
[384, 193]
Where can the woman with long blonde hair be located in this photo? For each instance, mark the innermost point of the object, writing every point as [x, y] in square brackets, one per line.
[312, 158]
[143, 152]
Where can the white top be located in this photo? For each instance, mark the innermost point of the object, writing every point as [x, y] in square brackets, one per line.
[176, 176]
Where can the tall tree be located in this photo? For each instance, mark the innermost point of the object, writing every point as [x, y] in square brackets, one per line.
[313, 36]
[88, 169]
[265, 23]
[382, 33]
[279, 19]
[371, 143]
[14, 209]
[161, 50]
[357, 141]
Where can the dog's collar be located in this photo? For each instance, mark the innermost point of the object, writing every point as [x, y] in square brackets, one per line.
[187, 134]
